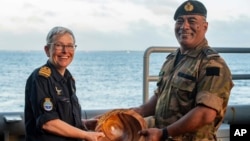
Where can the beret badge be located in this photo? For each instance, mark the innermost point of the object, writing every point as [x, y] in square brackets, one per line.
[189, 7]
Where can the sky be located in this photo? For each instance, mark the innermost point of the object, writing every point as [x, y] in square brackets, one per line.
[116, 24]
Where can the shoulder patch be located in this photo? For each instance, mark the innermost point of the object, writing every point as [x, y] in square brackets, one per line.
[209, 52]
[45, 71]
[213, 71]
[47, 104]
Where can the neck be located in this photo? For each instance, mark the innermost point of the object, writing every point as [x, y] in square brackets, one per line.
[184, 48]
[61, 71]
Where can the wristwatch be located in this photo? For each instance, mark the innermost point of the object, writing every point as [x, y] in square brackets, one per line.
[164, 134]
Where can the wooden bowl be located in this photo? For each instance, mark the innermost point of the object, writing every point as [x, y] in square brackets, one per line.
[121, 125]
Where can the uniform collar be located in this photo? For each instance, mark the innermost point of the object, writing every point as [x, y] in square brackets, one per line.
[196, 51]
[56, 74]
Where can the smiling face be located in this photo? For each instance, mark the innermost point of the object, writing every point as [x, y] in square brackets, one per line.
[190, 30]
[60, 57]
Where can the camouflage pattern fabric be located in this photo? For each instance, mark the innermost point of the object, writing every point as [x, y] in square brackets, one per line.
[201, 77]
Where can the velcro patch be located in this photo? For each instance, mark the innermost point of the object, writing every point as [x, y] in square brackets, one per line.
[213, 71]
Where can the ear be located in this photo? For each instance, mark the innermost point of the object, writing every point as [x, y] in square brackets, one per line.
[46, 49]
[205, 26]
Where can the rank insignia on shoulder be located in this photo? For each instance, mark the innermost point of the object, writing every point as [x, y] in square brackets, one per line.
[45, 71]
[47, 104]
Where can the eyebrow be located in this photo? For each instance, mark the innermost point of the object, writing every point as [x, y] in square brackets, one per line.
[188, 18]
[192, 17]
[59, 42]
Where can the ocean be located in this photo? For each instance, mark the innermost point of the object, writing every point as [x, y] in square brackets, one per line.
[104, 79]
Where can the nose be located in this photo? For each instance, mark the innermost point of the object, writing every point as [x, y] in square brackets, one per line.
[185, 24]
[64, 48]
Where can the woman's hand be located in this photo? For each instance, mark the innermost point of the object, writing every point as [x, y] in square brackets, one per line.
[90, 123]
[94, 136]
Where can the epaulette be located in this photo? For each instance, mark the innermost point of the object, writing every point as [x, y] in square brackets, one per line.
[209, 52]
[171, 55]
[45, 71]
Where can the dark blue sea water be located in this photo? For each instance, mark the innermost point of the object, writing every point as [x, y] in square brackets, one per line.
[104, 79]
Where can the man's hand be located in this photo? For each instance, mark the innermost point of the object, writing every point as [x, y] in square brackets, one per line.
[151, 134]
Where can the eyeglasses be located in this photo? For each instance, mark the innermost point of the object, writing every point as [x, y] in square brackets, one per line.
[59, 46]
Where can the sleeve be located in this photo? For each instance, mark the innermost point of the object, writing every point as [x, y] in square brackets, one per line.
[215, 84]
[42, 103]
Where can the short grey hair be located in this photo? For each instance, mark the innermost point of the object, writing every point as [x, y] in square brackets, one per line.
[58, 30]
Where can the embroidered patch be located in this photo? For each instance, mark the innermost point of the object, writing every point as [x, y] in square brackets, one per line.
[45, 71]
[47, 104]
[213, 71]
[58, 91]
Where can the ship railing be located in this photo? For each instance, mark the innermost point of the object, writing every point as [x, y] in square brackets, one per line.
[147, 78]
[12, 123]
[236, 114]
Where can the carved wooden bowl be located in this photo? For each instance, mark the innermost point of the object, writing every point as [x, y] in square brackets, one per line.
[121, 125]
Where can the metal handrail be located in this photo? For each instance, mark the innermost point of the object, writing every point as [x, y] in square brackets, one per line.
[12, 125]
[164, 49]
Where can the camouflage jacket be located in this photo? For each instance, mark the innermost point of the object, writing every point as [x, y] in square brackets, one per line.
[200, 77]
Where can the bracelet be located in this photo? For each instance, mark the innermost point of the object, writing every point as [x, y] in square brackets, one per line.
[164, 134]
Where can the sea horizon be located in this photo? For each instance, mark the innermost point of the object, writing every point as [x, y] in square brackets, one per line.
[104, 79]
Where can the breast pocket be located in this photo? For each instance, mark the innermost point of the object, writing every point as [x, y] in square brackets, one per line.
[184, 82]
[75, 101]
[63, 105]
[184, 89]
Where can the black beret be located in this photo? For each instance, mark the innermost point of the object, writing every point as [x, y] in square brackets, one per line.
[191, 7]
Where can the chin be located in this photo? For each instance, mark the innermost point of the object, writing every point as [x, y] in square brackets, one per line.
[184, 43]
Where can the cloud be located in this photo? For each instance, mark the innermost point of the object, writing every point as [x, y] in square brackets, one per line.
[106, 16]
[234, 33]
[136, 39]
[107, 24]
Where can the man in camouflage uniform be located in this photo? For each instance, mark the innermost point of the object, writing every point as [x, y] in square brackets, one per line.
[194, 84]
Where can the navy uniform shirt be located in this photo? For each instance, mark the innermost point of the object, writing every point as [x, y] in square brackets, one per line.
[48, 96]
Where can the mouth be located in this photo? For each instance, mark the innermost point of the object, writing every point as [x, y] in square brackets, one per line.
[184, 34]
[63, 57]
